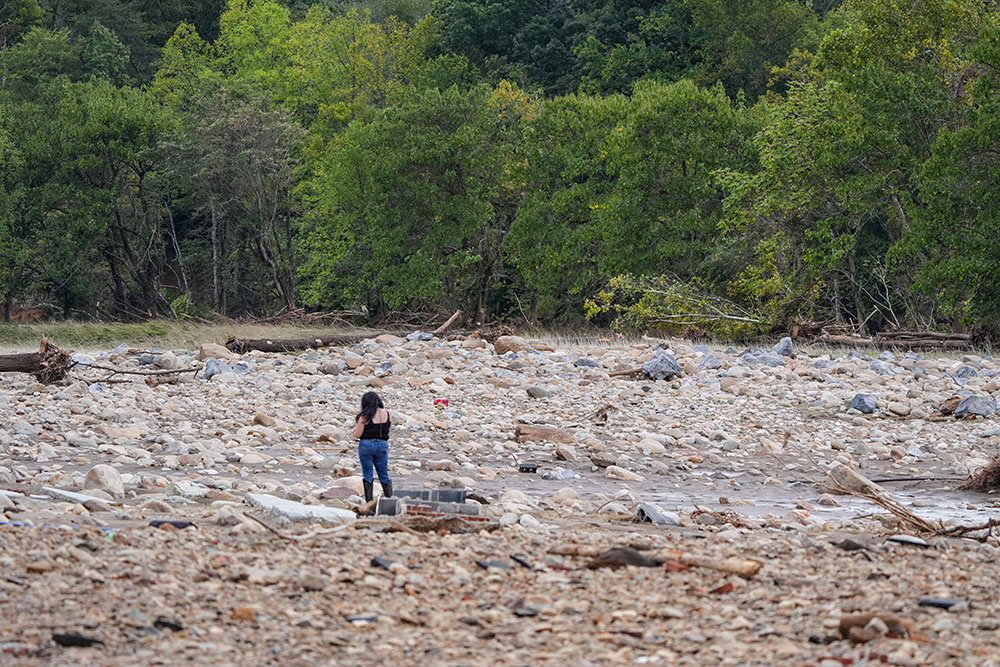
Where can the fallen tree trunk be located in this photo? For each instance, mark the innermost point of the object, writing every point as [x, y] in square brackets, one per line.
[734, 565]
[741, 566]
[243, 345]
[627, 371]
[904, 343]
[48, 365]
[920, 335]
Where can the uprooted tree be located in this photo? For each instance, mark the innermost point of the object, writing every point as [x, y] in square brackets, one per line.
[670, 304]
[50, 364]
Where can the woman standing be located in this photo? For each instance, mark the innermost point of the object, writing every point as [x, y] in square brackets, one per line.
[372, 430]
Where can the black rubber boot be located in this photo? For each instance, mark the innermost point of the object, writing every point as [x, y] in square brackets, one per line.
[387, 489]
[369, 491]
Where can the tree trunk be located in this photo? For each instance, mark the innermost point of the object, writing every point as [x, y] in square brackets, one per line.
[48, 365]
[243, 345]
[216, 297]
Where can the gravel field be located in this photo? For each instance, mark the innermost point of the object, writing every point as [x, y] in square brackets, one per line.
[734, 447]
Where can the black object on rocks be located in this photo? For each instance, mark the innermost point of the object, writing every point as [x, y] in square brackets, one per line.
[525, 609]
[176, 523]
[622, 556]
[940, 603]
[384, 563]
[520, 560]
[74, 639]
[527, 467]
[164, 622]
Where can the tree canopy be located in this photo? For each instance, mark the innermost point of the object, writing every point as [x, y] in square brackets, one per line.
[755, 163]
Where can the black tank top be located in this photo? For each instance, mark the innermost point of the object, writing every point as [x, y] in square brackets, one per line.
[377, 431]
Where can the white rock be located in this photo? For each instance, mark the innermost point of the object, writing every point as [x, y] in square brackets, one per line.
[615, 472]
[650, 446]
[508, 519]
[565, 495]
[104, 478]
[70, 496]
[298, 511]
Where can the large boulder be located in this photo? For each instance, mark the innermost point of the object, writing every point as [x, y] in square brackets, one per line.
[976, 406]
[663, 366]
[505, 344]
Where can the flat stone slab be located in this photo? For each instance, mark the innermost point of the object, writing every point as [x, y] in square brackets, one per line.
[653, 513]
[72, 496]
[297, 511]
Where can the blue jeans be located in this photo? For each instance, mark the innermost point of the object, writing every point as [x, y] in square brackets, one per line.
[377, 452]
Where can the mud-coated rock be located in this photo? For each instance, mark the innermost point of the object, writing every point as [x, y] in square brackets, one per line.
[505, 344]
[214, 351]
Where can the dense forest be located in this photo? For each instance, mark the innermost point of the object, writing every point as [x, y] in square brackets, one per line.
[734, 165]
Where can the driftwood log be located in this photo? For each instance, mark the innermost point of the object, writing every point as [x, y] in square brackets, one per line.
[909, 340]
[48, 365]
[744, 567]
[242, 345]
[451, 320]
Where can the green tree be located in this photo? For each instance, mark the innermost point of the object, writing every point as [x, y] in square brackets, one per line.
[40, 57]
[89, 174]
[235, 160]
[414, 207]
[954, 236]
[16, 16]
[554, 244]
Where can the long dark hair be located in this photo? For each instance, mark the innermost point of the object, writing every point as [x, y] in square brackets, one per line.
[370, 403]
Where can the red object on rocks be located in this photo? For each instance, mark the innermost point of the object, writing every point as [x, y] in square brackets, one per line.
[441, 401]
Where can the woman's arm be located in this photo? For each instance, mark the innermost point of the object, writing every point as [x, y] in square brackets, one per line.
[359, 428]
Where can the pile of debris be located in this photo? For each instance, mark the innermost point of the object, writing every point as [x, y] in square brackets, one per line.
[427, 510]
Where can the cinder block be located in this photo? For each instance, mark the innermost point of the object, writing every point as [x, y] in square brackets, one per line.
[437, 495]
[416, 507]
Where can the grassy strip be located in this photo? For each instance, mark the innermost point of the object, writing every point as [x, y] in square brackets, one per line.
[164, 334]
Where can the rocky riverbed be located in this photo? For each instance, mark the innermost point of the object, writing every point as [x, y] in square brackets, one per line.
[732, 445]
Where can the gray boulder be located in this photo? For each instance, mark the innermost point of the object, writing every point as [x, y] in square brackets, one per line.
[884, 368]
[784, 347]
[215, 367]
[662, 367]
[966, 372]
[710, 362]
[982, 406]
[863, 403]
